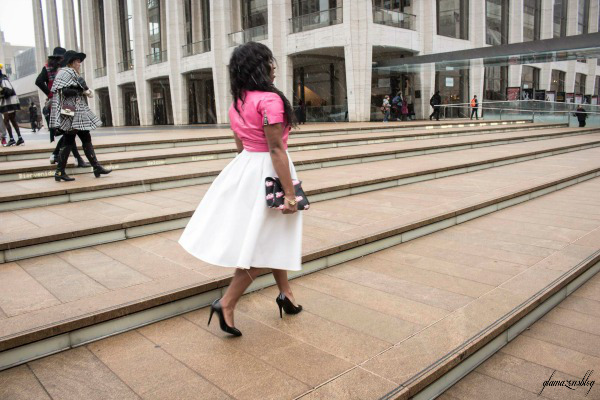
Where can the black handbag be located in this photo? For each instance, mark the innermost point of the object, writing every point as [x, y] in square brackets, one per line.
[274, 194]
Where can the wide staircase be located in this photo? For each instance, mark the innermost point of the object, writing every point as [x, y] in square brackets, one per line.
[428, 247]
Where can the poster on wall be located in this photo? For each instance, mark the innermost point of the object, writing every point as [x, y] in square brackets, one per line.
[550, 96]
[383, 82]
[570, 97]
[540, 95]
[578, 99]
[561, 97]
[513, 93]
[527, 94]
[449, 82]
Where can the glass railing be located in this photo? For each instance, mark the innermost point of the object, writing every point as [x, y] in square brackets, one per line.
[326, 113]
[248, 35]
[200, 47]
[394, 18]
[100, 72]
[127, 63]
[535, 111]
[316, 20]
[156, 58]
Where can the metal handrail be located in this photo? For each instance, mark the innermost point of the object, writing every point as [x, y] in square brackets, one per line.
[398, 19]
[298, 24]
[256, 33]
[127, 63]
[100, 72]
[156, 58]
[199, 47]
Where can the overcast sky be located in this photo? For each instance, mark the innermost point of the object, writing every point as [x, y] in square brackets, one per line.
[16, 20]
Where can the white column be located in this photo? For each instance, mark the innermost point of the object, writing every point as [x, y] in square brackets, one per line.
[358, 53]
[52, 20]
[140, 41]
[220, 25]
[175, 22]
[427, 86]
[515, 21]
[476, 77]
[89, 44]
[477, 23]
[111, 21]
[547, 22]
[40, 41]
[69, 34]
[572, 14]
[278, 16]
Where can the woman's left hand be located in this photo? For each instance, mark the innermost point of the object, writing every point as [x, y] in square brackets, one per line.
[288, 208]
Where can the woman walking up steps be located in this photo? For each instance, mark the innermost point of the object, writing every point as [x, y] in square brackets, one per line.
[232, 226]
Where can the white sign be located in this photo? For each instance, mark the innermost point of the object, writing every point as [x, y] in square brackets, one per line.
[449, 82]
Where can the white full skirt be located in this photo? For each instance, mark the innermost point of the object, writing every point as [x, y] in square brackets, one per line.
[232, 226]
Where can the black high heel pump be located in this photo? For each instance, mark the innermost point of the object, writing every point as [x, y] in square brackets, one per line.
[287, 305]
[216, 307]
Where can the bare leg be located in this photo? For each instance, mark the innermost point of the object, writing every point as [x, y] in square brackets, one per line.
[283, 284]
[240, 282]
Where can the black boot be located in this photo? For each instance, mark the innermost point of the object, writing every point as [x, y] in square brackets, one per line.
[88, 149]
[63, 156]
[80, 162]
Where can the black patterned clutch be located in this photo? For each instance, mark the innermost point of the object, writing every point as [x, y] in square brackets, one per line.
[274, 194]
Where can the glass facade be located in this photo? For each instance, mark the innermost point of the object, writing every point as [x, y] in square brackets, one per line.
[126, 27]
[132, 117]
[162, 109]
[154, 27]
[557, 82]
[532, 15]
[254, 13]
[560, 18]
[580, 83]
[453, 85]
[530, 78]
[495, 83]
[314, 14]
[597, 86]
[201, 98]
[583, 16]
[102, 33]
[496, 22]
[453, 18]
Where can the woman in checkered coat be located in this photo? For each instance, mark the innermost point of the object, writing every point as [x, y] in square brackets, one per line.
[71, 114]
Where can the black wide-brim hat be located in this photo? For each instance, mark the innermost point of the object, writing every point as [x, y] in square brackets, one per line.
[58, 52]
[71, 55]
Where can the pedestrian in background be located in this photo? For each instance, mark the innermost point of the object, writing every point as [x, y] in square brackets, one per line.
[232, 226]
[33, 116]
[435, 102]
[581, 116]
[474, 107]
[9, 105]
[385, 108]
[44, 81]
[71, 114]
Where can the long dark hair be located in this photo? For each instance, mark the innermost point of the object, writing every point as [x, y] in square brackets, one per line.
[53, 63]
[249, 69]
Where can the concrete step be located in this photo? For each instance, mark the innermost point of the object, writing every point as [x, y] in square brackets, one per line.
[391, 323]
[42, 192]
[141, 273]
[34, 169]
[561, 344]
[147, 140]
[70, 226]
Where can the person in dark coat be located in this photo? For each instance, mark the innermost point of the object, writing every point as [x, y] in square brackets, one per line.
[70, 113]
[301, 112]
[9, 105]
[44, 81]
[435, 102]
[33, 114]
[581, 116]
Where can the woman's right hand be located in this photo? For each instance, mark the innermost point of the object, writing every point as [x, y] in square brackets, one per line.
[288, 208]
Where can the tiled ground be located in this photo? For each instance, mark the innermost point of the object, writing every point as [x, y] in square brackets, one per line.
[368, 325]
[57, 287]
[565, 342]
